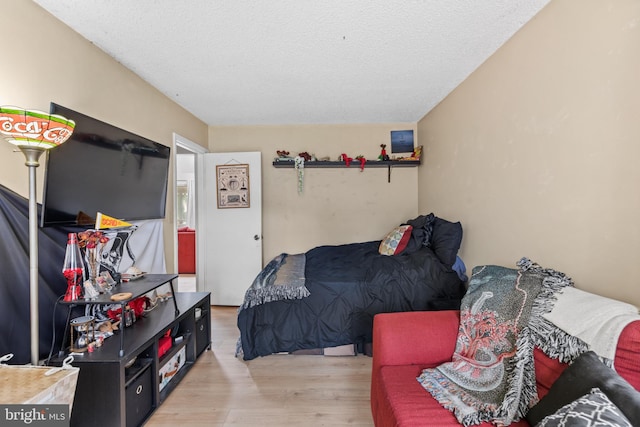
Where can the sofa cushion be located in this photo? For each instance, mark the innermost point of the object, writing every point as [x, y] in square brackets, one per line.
[594, 409]
[627, 362]
[584, 374]
[410, 404]
[547, 371]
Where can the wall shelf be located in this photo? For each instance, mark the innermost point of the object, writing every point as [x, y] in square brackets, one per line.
[355, 164]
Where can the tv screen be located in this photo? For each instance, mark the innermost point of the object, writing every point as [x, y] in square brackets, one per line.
[102, 168]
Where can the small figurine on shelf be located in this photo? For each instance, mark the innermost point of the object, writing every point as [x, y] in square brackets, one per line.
[306, 156]
[383, 153]
[417, 152]
[346, 159]
[283, 155]
[362, 161]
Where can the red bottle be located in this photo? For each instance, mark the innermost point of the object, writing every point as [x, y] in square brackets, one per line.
[73, 269]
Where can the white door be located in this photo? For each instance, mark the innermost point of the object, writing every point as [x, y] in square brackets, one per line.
[230, 232]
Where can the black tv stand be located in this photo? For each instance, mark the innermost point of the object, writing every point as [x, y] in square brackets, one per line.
[122, 382]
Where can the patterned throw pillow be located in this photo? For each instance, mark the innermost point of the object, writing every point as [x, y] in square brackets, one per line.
[584, 374]
[593, 409]
[396, 241]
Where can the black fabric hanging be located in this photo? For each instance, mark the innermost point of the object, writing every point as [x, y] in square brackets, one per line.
[14, 280]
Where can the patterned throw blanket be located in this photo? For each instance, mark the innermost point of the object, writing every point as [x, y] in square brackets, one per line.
[282, 278]
[490, 376]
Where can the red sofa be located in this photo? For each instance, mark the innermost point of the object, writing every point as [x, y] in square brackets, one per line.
[186, 250]
[406, 343]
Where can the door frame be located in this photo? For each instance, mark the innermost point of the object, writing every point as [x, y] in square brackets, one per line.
[198, 150]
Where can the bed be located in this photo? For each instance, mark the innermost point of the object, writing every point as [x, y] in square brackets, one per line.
[327, 296]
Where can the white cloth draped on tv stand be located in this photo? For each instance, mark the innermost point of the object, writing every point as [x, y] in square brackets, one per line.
[147, 246]
[140, 245]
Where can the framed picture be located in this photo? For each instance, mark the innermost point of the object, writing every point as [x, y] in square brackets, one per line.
[233, 186]
[401, 141]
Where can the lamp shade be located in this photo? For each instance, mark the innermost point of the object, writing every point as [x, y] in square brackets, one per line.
[34, 129]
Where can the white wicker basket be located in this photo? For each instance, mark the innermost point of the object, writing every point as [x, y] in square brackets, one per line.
[27, 384]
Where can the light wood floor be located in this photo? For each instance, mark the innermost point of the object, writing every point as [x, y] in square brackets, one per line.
[277, 390]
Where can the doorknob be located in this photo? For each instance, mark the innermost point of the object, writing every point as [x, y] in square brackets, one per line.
[256, 237]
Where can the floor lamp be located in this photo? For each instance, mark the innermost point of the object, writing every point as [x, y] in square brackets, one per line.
[33, 132]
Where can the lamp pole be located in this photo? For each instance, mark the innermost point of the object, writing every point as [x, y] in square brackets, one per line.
[32, 156]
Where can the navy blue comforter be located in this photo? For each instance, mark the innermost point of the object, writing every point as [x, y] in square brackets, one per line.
[348, 285]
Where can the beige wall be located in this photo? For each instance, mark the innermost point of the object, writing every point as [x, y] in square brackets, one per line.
[44, 61]
[537, 151]
[337, 205]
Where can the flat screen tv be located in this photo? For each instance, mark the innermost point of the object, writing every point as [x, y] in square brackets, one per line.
[103, 168]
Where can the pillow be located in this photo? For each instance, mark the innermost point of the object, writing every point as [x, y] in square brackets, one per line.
[396, 241]
[445, 240]
[421, 234]
[591, 410]
[460, 269]
[585, 373]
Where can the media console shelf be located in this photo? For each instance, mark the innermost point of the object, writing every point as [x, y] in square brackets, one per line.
[137, 288]
[122, 382]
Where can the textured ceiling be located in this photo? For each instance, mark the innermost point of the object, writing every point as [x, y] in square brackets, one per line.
[249, 62]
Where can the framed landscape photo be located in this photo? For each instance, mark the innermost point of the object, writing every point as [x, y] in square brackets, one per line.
[402, 141]
[232, 183]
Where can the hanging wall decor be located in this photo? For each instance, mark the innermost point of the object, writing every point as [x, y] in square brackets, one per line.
[233, 186]
[299, 165]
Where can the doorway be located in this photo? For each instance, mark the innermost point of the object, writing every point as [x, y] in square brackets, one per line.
[185, 196]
